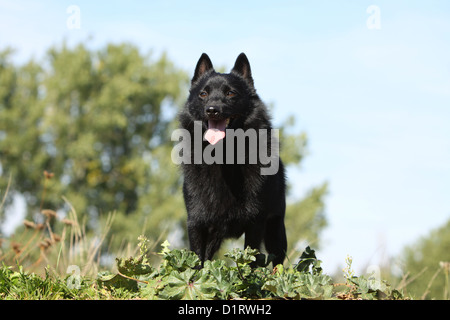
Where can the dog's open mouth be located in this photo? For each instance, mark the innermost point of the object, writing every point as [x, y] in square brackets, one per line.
[216, 129]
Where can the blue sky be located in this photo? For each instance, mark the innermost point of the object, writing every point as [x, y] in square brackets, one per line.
[375, 103]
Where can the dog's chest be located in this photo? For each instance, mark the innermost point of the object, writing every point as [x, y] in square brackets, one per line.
[227, 191]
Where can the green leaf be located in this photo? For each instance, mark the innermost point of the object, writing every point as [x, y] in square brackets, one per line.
[242, 257]
[180, 260]
[309, 260]
[154, 286]
[187, 286]
[117, 281]
[165, 248]
[224, 278]
[133, 266]
[283, 286]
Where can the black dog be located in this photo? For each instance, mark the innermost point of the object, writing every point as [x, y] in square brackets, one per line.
[223, 199]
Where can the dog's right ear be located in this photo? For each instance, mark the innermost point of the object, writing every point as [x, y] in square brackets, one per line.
[204, 64]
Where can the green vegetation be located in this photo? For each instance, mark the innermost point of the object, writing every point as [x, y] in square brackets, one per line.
[179, 277]
[427, 265]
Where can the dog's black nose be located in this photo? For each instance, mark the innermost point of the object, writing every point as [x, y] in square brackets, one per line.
[212, 112]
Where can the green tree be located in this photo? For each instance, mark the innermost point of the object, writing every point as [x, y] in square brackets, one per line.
[20, 116]
[94, 119]
[427, 264]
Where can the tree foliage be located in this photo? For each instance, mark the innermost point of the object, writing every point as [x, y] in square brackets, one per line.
[94, 119]
[427, 264]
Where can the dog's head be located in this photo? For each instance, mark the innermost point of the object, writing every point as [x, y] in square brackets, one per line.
[221, 100]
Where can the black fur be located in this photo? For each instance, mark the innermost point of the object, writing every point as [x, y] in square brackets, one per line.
[227, 200]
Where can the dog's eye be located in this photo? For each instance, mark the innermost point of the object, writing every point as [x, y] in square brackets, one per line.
[231, 93]
[203, 94]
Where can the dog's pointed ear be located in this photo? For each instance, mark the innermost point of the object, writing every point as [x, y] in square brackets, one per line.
[204, 64]
[242, 68]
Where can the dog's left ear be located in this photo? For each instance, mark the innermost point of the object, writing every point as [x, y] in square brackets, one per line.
[242, 68]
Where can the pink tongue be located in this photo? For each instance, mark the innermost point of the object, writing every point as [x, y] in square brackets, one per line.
[216, 131]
